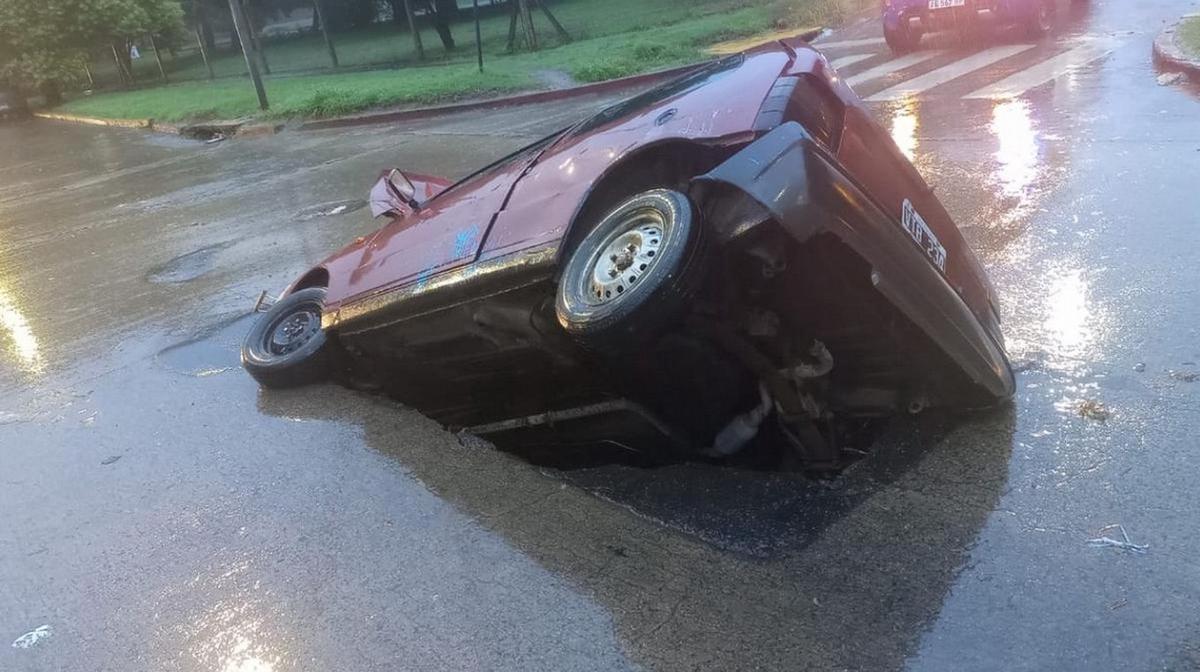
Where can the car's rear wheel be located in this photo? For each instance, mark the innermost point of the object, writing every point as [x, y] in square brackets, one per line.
[286, 347]
[1042, 19]
[903, 39]
[633, 275]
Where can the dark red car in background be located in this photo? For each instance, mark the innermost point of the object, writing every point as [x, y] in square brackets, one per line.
[738, 257]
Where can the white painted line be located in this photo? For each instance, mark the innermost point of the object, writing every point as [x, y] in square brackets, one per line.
[894, 65]
[950, 72]
[849, 60]
[1040, 73]
[869, 42]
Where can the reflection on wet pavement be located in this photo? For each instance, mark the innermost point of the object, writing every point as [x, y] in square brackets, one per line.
[904, 128]
[1017, 155]
[1072, 322]
[17, 339]
[331, 530]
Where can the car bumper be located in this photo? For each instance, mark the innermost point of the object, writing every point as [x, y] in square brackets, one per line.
[919, 16]
[803, 189]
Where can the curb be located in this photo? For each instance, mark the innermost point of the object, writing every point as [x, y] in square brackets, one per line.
[1168, 54]
[508, 101]
[144, 124]
[387, 117]
[198, 131]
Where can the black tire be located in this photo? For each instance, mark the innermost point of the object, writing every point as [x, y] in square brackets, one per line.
[903, 39]
[657, 272]
[285, 348]
[1042, 21]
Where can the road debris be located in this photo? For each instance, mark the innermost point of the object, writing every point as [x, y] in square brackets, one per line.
[1139, 367]
[330, 209]
[110, 459]
[219, 137]
[1091, 409]
[1169, 78]
[1185, 376]
[1123, 544]
[32, 637]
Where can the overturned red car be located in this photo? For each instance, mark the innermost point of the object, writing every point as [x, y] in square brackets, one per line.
[738, 257]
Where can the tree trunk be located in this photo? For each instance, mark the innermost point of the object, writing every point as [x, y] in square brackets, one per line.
[441, 22]
[399, 18]
[162, 71]
[325, 32]
[255, 42]
[204, 52]
[242, 33]
[120, 51]
[412, 25]
[207, 35]
[52, 92]
[448, 10]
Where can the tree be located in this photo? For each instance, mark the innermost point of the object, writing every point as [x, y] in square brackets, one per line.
[443, 12]
[44, 43]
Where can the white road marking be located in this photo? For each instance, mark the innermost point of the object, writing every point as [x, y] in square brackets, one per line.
[950, 72]
[894, 65]
[869, 42]
[849, 60]
[1036, 75]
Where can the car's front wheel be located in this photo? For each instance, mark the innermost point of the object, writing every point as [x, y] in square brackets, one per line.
[286, 347]
[634, 273]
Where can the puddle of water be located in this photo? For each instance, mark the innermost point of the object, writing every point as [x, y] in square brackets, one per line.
[214, 351]
[188, 266]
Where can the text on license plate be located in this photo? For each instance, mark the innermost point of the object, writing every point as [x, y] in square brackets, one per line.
[923, 235]
[942, 4]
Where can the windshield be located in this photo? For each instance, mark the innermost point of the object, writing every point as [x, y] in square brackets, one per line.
[523, 154]
[651, 97]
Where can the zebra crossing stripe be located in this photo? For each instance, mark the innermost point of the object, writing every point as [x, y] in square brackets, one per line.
[894, 65]
[849, 60]
[949, 72]
[868, 42]
[1036, 75]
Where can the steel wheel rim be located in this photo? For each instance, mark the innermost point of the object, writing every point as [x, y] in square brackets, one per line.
[625, 256]
[291, 331]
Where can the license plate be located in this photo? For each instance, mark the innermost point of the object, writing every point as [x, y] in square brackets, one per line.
[916, 227]
[943, 4]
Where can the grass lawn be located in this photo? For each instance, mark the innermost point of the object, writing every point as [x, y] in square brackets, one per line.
[1188, 36]
[612, 38]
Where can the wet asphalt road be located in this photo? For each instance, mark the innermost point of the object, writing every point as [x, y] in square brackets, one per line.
[160, 513]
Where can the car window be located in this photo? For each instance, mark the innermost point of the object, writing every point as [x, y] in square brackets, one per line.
[647, 99]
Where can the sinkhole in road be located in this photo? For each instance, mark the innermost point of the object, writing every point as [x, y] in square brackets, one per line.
[214, 350]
